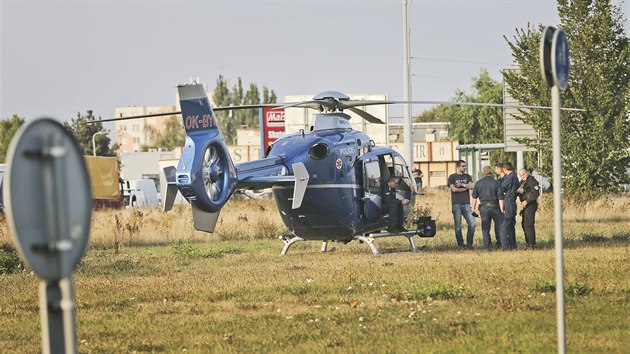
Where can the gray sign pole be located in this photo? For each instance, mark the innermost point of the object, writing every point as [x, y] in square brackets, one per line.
[49, 204]
[554, 65]
[56, 307]
[557, 214]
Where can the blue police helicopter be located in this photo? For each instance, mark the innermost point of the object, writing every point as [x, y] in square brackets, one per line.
[328, 183]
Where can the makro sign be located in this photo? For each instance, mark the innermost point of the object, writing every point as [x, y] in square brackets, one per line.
[273, 125]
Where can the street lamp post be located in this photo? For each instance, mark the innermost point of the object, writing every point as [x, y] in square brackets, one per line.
[94, 140]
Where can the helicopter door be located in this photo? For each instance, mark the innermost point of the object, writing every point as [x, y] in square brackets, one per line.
[372, 182]
[407, 186]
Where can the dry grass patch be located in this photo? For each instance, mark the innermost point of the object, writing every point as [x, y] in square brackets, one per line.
[149, 283]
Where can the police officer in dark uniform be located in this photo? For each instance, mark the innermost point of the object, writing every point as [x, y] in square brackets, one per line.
[488, 201]
[510, 184]
[393, 206]
[528, 193]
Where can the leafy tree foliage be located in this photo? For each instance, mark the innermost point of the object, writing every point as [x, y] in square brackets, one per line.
[479, 125]
[250, 116]
[595, 143]
[8, 128]
[84, 132]
[473, 124]
[435, 114]
[171, 136]
[222, 98]
[230, 120]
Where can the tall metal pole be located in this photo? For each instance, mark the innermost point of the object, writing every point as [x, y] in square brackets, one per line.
[407, 128]
[557, 213]
[94, 140]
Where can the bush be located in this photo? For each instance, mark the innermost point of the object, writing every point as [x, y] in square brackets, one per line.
[576, 289]
[593, 238]
[436, 292]
[545, 287]
[188, 251]
[9, 260]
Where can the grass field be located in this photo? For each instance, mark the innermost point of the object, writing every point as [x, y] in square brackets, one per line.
[149, 283]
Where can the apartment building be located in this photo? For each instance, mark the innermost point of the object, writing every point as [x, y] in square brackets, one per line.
[132, 134]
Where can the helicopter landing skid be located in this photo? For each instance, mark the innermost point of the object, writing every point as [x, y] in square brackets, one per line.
[408, 234]
[288, 242]
[369, 240]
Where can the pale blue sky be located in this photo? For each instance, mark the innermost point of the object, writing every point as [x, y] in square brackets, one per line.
[61, 57]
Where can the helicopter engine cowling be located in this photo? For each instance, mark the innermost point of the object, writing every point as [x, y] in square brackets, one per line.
[205, 175]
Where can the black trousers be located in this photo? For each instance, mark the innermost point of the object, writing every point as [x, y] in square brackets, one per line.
[529, 219]
[509, 221]
[396, 215]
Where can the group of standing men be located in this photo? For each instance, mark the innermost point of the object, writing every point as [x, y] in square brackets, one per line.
[495, 201]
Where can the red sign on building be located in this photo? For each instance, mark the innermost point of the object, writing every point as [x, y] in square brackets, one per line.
[273, 126]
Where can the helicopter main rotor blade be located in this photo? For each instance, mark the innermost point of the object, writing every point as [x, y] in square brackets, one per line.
[216, 109]
[333, 104]
[478, 104]
[365, 115]
[134, 117]
[248, 106]
[316, 104]
[356, 103]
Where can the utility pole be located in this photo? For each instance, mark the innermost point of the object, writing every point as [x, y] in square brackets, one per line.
[407, 127]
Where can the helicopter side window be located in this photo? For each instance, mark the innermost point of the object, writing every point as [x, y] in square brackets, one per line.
[402, 171]
[387, 166]
[372, 177]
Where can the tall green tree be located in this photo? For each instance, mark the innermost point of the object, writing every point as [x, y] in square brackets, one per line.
[434, 114]
[252, 97]
[474, 124]
[595, 143]
[8, 128]
[171, 136]
[237, 95]
[84, 132]
[222, 98]
[477, 125]
[230, 120]
[269, 96]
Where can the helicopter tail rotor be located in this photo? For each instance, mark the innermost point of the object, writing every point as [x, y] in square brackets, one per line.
[205, 175]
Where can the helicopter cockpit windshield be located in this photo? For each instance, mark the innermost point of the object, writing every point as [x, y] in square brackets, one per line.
[376, 173]
[407, 186]
[396, 166]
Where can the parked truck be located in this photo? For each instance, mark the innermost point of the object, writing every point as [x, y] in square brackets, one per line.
[104, 177]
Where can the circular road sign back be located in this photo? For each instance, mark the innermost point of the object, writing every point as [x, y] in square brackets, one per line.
[545, 54]
[560, 59]
[48, 198]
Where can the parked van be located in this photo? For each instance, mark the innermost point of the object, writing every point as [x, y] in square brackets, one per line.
[140, 193]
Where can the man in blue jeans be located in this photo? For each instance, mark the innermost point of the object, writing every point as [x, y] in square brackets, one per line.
[488, 201]
[460, 183]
